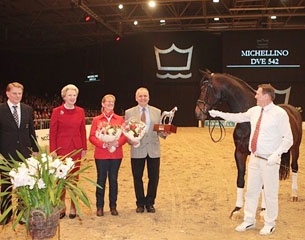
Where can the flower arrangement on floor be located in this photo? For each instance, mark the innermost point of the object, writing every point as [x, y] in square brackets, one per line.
[108, 133]
[38, 182]
[134, 130]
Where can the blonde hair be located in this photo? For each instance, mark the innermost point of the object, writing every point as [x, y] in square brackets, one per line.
[104, 100]
[107, 96]
[14, 84]
[68, 87]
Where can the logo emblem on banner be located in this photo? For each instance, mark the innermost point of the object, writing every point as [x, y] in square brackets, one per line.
[179, 63]
[285, 92]
[262, 43]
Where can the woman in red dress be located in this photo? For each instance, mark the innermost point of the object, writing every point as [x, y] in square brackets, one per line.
[68, 133]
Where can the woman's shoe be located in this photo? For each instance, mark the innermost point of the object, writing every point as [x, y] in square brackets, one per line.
[72, 216]
[114, 212]
[99, 212]
[62, 215]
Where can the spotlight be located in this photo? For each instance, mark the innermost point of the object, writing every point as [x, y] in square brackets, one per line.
[152, 4]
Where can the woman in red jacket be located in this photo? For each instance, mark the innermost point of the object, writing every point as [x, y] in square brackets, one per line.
[108, 155]
[68, 133]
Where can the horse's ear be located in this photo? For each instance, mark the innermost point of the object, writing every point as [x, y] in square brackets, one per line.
[206, 73]
[205, 70]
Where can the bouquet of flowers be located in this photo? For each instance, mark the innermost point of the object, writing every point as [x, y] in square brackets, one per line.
[108, 133]
[134, 130]
[38, 183]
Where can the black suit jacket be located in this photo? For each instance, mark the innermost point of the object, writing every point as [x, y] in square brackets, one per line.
[13, 138]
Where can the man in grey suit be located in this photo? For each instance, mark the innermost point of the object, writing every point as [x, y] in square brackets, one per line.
[16, 133]
[148, 151]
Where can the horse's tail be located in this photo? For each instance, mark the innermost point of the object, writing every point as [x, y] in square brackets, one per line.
[285, 166]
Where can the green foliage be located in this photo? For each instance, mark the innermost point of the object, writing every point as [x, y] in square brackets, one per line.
[38, 183]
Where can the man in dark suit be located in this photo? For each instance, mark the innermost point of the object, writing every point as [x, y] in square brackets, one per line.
[16, 133]
[148, 151]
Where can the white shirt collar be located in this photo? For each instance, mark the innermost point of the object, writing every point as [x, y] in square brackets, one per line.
[10, 104]
[141, 108]
[270, 105]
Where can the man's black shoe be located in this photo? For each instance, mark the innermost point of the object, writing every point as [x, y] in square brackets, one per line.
[150, 209]
[140, 209]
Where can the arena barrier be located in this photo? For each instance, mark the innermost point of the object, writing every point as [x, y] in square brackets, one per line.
[42, 127]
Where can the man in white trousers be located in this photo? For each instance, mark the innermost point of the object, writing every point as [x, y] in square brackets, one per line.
[270, 137]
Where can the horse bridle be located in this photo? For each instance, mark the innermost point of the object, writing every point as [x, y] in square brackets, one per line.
[205, 102]
[206, 106]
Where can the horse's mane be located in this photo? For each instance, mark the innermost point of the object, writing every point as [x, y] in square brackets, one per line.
[240, 81]
[207, 76]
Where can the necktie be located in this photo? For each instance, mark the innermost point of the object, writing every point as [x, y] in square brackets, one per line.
[143, 116]
[15, 115]
[256, 131]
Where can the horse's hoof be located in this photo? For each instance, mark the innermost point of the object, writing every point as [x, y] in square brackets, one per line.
[294, 198]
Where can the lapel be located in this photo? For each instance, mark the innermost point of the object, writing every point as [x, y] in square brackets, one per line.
[23, 114]
[136, 113]
[10, 117]
[152, 115]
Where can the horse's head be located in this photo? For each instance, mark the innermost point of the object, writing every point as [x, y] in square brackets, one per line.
[209, 96]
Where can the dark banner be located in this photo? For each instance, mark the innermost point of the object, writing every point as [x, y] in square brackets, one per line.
[275, 57]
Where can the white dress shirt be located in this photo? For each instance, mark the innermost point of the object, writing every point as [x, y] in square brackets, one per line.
[275, 132]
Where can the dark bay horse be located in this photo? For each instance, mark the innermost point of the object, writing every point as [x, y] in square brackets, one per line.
[239, 96]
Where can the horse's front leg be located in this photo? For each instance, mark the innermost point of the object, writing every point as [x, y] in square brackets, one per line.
[240, 160]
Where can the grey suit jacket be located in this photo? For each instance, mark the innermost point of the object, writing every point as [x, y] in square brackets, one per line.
[150, 144]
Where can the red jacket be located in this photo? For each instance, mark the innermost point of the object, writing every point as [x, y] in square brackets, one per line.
[67, 130]
[100, 152]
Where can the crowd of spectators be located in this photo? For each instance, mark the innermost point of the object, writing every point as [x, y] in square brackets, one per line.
[43, 106]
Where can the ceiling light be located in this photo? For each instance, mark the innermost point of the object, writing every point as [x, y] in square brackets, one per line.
[162, 21]
[215, 1]
[216, 19]
[152, 4]
[121, 6]
[135, 22]
[87, 18]
[273, 17]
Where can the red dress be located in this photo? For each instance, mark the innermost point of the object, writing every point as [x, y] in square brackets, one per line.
[68, 131]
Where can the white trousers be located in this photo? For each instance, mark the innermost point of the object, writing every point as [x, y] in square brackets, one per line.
[261, 175]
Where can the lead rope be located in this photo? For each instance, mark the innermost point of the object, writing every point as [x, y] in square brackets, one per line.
[221, 127]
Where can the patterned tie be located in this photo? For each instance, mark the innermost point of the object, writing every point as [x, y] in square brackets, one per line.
[143, 116]
[255, 134]
[15, 115]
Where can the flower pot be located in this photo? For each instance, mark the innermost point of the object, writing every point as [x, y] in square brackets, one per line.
[41, 226]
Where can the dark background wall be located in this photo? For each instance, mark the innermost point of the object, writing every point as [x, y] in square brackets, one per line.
[125, 65]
